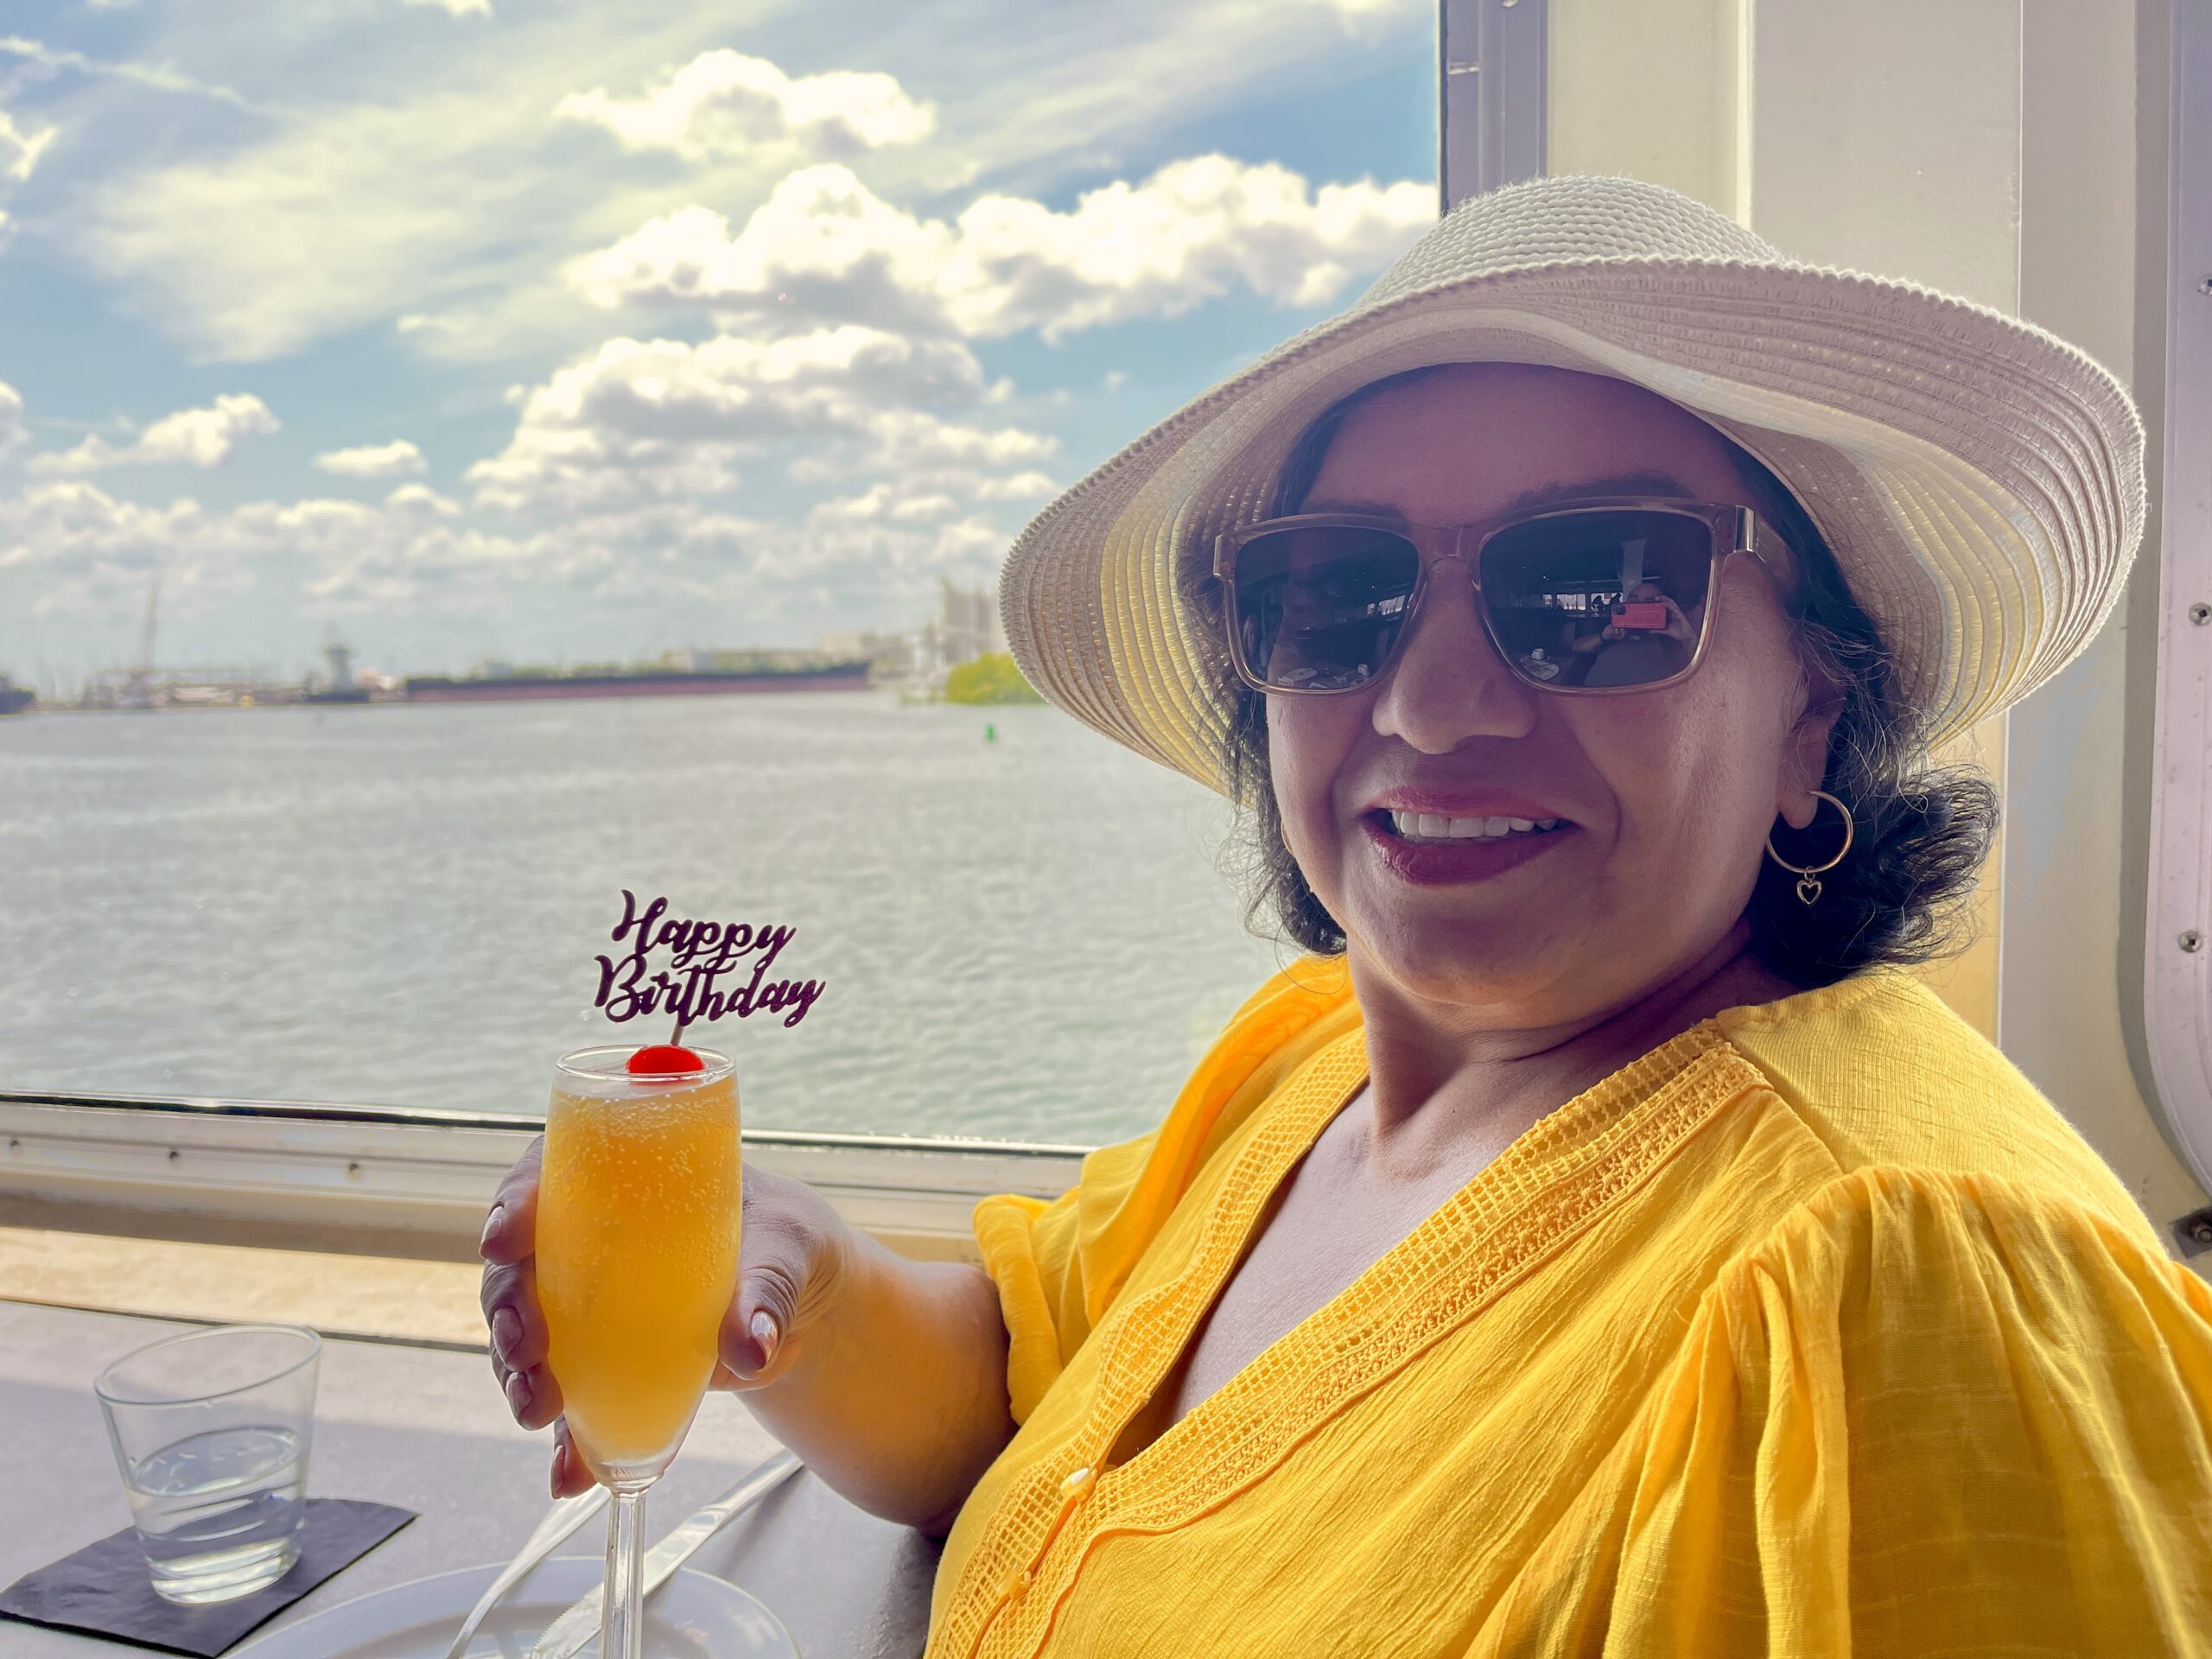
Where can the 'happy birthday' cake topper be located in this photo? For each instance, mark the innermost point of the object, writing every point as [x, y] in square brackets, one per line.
[700, 953]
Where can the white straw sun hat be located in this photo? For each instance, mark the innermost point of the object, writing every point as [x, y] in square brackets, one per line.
[1978, 480]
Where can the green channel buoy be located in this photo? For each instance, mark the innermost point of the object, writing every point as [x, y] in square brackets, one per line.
[990, 733]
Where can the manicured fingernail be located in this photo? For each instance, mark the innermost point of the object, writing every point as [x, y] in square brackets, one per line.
[491, 1226]
[763, 1327]
[518, 1392]
[559, 1469]
[506, 1330]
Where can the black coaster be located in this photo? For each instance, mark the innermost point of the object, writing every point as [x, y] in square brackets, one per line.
[104, 1588]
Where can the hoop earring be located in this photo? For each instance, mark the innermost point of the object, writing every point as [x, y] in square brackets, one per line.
[1808, 876]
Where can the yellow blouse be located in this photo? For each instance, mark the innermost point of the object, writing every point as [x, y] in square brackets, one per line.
[1815, 1331]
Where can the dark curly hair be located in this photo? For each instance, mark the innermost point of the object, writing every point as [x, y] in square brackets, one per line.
[1923, 830]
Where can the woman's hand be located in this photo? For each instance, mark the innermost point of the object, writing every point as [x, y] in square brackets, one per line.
[509, 1296]
[792, 1256]
[793, 1259]
[887, 1376]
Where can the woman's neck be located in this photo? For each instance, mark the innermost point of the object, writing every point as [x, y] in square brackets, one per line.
[1441, 1090]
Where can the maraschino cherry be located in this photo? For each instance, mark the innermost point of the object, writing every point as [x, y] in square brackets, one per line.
[660, 1059]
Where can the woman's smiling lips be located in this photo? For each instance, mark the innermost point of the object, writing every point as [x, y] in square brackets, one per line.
[1413, 832]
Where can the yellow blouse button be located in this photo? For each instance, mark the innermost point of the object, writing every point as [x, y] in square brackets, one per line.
[1016, 1586]
[1078, 1483]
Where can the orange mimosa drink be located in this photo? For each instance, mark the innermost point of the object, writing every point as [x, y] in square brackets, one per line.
[638, 1220]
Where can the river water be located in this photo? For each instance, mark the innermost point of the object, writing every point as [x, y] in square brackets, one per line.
[1020, 937]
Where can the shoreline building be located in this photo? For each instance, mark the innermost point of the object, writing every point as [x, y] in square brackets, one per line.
[966, 627]
[886, 653]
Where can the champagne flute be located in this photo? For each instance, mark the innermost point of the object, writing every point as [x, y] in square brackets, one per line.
[639, 1213]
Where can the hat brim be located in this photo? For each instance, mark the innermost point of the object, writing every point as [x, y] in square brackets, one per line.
[1978, 480]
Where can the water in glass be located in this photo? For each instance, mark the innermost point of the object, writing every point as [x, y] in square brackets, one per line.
[218, 1514]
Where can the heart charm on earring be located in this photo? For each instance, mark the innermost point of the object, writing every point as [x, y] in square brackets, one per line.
[1808, 878]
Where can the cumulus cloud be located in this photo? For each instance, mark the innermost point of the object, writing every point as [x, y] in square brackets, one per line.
[457, 7]
[924, 494]
[91, 553]
[67, 524]
[1019, 486]
[826, 244]
[863, 567]
[639, 419]
[193, 437]
[884, 504]
[84, 553]
[398, 459]
[11, 417]
[723, 104]
[421, 497]
[911, 438]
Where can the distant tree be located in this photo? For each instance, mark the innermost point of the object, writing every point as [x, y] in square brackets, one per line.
[991, 678]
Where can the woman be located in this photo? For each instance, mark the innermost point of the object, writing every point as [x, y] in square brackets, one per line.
[1593, 1245]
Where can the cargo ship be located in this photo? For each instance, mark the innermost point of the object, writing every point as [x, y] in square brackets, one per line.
[644, 683]
[13, 698]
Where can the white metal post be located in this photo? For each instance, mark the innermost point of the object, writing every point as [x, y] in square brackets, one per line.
[2178, 951]
[1490, 111]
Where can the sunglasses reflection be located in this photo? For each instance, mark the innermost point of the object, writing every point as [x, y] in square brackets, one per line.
[1616, 624]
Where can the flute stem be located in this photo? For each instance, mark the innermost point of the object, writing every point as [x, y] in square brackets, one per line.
[622, 1618]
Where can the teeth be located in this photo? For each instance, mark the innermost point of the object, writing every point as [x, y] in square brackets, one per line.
[1430, 826]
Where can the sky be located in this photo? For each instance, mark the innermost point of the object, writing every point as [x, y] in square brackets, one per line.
[559, 331]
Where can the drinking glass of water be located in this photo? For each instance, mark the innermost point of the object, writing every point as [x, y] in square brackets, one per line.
[211, 1430]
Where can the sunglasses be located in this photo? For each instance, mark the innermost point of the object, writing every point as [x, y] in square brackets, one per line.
[1611, 593]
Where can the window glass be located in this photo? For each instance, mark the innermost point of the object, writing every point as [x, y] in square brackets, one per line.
[379, 367]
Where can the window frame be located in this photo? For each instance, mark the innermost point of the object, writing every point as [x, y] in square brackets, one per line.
[431, 1173]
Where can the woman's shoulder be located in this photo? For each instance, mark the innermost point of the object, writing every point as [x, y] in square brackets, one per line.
[1916, 1236]
[1895, 1281]
[1923, 1302]
[1938, 1411]
[1886, 1075]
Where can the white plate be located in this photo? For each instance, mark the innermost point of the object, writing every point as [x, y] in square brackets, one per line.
[691, 1617]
